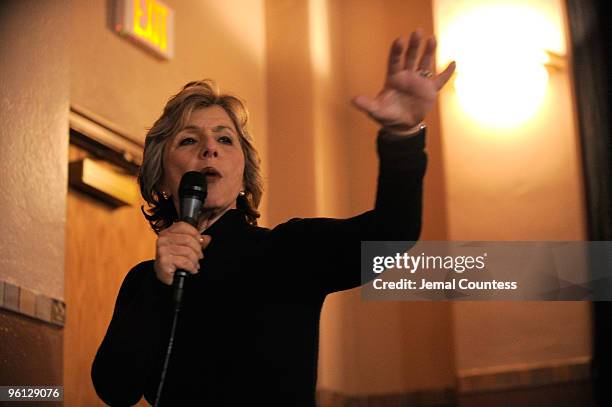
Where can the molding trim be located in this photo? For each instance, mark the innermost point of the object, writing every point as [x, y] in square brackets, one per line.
[32, 304]
[105, 140]
[524, 376]
[424, 398]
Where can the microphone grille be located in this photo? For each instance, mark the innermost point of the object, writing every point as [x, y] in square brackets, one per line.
[193, 183]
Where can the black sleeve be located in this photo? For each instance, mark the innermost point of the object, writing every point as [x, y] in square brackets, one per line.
[126, 357]
[327, 251]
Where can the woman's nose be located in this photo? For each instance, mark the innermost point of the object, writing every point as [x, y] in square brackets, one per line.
[210, 148]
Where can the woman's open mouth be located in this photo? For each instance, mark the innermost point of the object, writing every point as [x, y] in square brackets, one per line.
[211, 174]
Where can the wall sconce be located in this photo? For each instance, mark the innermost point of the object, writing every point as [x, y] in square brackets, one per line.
[503, 54]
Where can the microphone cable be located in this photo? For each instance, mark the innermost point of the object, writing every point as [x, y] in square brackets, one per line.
[177, 308]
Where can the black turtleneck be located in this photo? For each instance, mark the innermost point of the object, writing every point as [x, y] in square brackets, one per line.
[249, 327]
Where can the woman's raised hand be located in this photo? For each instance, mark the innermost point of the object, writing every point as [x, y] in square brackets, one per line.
[179, 246]
[410, 87]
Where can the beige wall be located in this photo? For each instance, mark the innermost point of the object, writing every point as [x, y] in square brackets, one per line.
[290, 185]
[520, 183]
[34, 77]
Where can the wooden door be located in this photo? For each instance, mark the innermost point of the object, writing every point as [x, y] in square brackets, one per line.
[102, 244]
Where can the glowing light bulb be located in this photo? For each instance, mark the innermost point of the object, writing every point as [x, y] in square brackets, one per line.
[502, 96]
[501, 79]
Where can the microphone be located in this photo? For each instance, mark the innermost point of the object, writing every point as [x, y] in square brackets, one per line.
[192, 194]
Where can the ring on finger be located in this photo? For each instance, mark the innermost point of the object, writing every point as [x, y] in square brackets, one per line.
[425, 73]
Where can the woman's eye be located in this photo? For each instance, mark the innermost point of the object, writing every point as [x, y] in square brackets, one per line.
[186, 141]
[225, 140]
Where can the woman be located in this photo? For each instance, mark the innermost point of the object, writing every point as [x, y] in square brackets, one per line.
[248, 329]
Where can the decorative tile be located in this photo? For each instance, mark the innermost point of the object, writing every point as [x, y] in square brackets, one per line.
[11, 297]
[27, 302]
[32, 304]
[58, 312]
[43, 308]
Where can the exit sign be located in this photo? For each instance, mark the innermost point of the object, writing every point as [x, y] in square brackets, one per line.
[150, 23]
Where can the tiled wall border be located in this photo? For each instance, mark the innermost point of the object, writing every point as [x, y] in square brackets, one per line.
[475, 381]
[524, 376]
[32, 304]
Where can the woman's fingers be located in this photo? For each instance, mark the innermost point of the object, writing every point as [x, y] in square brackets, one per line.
[426, 62]
[395, 63]
[181, 251]
[412, 52]
[175, 239]
[445, 75]
[184, 263]
[183, 228]
[170, 259]
[204, 241]
[411, 55]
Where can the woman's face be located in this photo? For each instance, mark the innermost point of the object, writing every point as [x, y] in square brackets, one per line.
[208, 143]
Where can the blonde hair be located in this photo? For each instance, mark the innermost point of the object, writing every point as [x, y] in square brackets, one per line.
[195, 95]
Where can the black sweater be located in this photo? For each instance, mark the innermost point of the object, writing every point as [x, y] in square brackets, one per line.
[248, 330]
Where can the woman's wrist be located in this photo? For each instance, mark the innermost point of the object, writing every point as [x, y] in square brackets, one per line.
[405, 132]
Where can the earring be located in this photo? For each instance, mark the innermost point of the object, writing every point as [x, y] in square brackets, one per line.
[242, 193]
[165, 195]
